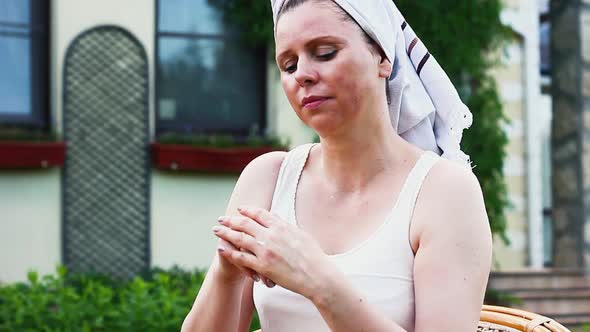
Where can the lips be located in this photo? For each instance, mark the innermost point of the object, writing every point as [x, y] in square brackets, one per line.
[313, 102]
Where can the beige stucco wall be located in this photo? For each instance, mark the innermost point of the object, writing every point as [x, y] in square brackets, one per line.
[184, 209]
[30, 217]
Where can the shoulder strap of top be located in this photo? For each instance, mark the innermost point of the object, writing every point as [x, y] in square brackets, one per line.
[411, 189]
[288, 178]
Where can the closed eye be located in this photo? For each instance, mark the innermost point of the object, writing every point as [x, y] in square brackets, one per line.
[327, 56]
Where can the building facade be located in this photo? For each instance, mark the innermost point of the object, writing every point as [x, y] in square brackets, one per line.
[527, 167]
[121, 72]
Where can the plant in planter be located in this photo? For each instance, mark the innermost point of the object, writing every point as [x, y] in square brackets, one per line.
[211, 153]
[26, 148]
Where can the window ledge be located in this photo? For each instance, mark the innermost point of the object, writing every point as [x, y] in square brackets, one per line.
[31, 155]
[205, 159]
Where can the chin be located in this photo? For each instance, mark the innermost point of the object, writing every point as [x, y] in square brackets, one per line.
[328, 121]
[325, 125]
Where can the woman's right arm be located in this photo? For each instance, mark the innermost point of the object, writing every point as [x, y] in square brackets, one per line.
[224, 302]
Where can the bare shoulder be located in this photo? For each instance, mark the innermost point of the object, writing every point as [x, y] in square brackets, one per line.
[450, 200]
[264, 167]
[447, 176]
[256, 184]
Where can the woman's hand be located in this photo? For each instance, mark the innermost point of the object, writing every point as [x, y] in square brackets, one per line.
[231, 272]
[274, 249]
[227, 270]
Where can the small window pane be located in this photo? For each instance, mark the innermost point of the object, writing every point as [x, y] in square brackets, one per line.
[15, 11]
[190, 16]
[212, 84]
[544, 36]
[15, 89]
[545, 39]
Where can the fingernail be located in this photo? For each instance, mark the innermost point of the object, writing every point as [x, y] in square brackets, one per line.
[216, 229]
[256, 278]
[271, 283]
[220, 249]
[221, 219]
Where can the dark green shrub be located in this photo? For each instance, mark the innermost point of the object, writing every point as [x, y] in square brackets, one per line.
[27, 134]
[158, 302]
[222, 141]
[501, 298]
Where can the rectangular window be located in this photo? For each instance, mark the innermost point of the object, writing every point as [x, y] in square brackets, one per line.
[24, 62]
[208, 81]
[545, 37]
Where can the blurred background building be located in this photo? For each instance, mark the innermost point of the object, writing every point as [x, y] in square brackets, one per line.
[109, 76]
[527, 167]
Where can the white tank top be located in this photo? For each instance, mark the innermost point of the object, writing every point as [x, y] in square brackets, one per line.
[380, 267]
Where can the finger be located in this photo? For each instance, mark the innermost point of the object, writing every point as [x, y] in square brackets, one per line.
[242, 224]
[251, 273]
[269, 283]
[241, 258]
[261, 216]
[238, 239]
[226, 246]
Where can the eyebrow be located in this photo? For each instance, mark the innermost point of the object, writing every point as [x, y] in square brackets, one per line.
[314, 41]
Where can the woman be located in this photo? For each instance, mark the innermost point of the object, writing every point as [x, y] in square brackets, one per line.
[370, 230]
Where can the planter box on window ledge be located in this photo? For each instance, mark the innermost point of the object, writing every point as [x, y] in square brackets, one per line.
[30, 154]
[181, 157]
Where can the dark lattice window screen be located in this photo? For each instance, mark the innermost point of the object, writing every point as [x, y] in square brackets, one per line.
[106, 178]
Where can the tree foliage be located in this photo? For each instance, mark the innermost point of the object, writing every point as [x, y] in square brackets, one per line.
[464, 36]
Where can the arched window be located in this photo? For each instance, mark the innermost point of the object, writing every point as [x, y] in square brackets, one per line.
[208, 81]
[24, 62]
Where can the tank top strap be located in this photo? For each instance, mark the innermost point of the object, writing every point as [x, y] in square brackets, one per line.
[411, 189]
[283, 199]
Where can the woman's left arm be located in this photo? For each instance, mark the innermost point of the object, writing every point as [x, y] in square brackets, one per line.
[454, 251]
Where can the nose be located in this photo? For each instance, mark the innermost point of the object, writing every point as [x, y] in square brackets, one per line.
[305, 74]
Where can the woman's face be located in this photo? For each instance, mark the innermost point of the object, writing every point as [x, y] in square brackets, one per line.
[330, 73]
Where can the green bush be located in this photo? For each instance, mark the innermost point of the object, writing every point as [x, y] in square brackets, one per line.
[26, 134]
[157, 302]
[501, 298]
[222, 141]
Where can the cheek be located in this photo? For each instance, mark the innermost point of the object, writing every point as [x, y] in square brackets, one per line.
[351, 81]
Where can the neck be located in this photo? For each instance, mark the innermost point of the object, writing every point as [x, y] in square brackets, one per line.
[353, 158]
